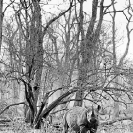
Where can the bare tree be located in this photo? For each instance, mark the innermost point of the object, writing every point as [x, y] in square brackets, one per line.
[33, 33]
[1, 20]
[117, 66]
[67, 43]
[88, 43]
[2, 12]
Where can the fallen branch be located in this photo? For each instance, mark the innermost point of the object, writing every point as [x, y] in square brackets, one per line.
[5, 121]
[116, 120]
[7, 107]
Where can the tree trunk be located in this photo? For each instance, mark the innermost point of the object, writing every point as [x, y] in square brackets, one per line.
[116, 71]
[1, 21]
[82, 67]
[88, 44]
[34, 57]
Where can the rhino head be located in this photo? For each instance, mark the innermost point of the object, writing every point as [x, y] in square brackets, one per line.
[94, 119]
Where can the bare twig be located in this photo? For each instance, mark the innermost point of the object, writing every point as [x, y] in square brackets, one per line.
[55, 18]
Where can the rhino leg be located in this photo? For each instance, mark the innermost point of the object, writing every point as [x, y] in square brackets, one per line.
[65, 128]
[65, 125]
[83, 129]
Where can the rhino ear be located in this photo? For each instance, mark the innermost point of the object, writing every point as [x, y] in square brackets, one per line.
[85, 106]
[98, 107]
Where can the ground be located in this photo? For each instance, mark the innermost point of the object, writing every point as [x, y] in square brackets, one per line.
[19, 126]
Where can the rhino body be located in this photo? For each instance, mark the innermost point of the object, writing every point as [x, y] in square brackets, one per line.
[77, 120]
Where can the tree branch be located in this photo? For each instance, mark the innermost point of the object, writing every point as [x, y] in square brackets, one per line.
[46, 111]
[55, 18]
[7, 107]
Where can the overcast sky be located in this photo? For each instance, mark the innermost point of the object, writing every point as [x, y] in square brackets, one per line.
[120, 19]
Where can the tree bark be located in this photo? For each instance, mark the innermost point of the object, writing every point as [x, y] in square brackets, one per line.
[1, 21]
[82, 73]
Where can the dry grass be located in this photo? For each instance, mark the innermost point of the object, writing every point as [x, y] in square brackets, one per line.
[19, 126]
[119, 127]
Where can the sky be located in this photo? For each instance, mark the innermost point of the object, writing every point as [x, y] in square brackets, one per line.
[120, 20]
[120, 25]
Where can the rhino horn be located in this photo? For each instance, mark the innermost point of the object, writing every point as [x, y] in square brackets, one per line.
[92, 115]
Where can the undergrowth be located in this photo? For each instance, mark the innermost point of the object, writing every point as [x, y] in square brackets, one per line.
[19, 126]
